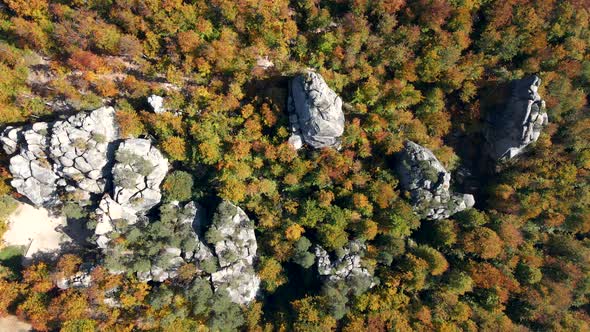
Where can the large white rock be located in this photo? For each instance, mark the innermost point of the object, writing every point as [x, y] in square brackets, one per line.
[31, 168]
[69, 153]
[510, 130]
[315, 112]
[235, 251]
[346, 266]
[138, 173]
[429, 183]
[79, 148]
[239, 280]
[157, 104]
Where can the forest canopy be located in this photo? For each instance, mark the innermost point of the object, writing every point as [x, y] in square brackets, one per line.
[428, 71]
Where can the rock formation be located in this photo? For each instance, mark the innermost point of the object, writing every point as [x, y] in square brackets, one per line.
[81, 279]
[428, 182]
[315, 112]
[83, 156]
[74, 157]
[71, 154]
[138, 171]
[235, 246]
[157, 104]
[346, 266]
[509, 131]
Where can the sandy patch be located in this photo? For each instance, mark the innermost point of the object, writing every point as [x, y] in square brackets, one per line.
[12, 324]
[31, 226]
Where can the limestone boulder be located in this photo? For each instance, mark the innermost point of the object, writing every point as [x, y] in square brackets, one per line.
[423, 176]
[315, 112]
[347, 265]
[79, 149]
[157, 104]
[71, 154]
[31, 167]
[511, 129]
[137, 174]
[235, 247]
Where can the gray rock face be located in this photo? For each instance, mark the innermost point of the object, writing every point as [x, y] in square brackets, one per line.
[69, 153]
[107, 213]
[520, 123]
[236, 250]
[157, 104]
[79, 149]
[72, 156]
[81, 279]
[428, 182]
[315, 112]
[137, 174]
[348, 265]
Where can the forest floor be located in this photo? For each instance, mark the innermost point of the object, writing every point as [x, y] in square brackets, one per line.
[34, 229]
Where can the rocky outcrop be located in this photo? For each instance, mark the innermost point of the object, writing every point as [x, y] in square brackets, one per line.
[231, 235]
[74, 157]
[235, 247]
[137, 174]
[107, 213]
[164, 265]
[80, 279]
[315, 112]
[428, 182]
[67, 154]
[509, 131]
[79, 149]
[157, 104]
[346, 266]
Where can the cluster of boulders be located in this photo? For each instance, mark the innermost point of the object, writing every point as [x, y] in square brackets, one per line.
[84, 155]
[510, 130]
[80, 279]
[428, 182]
[315, 112]
[83, 158]
[235, 247]
[346, 266]
[68, 156]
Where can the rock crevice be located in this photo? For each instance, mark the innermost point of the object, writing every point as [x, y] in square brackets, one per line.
[428, 182]
[315, 112]
[517, 125]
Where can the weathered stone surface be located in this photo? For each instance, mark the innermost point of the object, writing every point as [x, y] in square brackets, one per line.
[519, 123]
[9, 139]
[315, 112]
[31, 168]
[428, 182]
[240, 281]
[79, 148]
[235, 250]
[81, 279]
[69, 153]
[194, 216]
[107, 213]
[157, 104]
[139, 169]
[348, 265]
